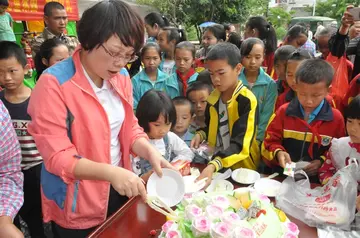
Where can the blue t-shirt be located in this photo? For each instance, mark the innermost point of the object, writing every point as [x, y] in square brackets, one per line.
[6, 31]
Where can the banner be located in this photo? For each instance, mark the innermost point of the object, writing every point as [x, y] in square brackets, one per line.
[31, 10]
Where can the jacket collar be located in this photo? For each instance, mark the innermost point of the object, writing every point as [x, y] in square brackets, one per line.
[261, 79]
[81, 80]
[215, 95]
[161, 76]
[325, 113]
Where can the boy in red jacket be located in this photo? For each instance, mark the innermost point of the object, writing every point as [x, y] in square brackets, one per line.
[302, 129]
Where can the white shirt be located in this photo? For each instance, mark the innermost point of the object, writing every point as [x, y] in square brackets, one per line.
[223, 141]
[310, 35]
[114, 109]
[168, 66]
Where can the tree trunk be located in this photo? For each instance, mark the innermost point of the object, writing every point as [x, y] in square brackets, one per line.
[198, 33]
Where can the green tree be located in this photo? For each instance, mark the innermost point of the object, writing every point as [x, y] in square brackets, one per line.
[332, 8]
[191, 13]
[279, 17]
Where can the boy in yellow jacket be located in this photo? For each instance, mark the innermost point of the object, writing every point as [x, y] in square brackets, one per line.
[230, 116]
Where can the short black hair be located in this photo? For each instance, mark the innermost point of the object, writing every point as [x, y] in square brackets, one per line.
[313, 71]
[156, 18]
[50, 6]
[353, 110]
[10, 49]
[160, 104]
[176, 34]
[114, 17]
[45, 52]
[235, 38]
[218, 31]
[197, 86]
[283, 53]
[204, 77]
[225, 51]
[4, 3]
[295, 31]
[300, 54]
[187, 45]
[183, 101]
[248, 44]
[266, 32]
[148, 46]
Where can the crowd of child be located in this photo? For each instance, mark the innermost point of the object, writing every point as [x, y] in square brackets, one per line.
[255, 106]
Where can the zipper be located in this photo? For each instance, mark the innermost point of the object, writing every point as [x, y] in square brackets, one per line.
[107, 120]
[303, 145]
[76, 191]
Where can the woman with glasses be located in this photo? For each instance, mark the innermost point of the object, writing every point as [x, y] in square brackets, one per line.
[84, 126]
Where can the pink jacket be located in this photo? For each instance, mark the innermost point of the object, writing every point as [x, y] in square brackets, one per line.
[68, 121]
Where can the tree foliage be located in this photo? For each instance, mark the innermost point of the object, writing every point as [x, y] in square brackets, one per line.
[332, 8]
[279, 17]
[195, 12]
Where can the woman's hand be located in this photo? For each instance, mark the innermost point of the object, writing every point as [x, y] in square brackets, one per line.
[8, 229]
[158, 162]
[313, 167]
[126, 183]
[196, 141]
[346, 21]
[207, 173]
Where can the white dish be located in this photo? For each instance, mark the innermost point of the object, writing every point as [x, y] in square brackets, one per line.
[220, 186]
[267, 187]
[225, 175]
[245, 176]
[301, 165]
[191, 186]
[170, 188]
[244, 189]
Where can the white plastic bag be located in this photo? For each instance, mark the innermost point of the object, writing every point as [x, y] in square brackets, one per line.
[332, 204]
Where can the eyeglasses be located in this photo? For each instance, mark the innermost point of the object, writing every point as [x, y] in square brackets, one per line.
[118, 56]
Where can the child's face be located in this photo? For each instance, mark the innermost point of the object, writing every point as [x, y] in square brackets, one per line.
[159, 128]
[290, 73]
[208, 39]
[323, 44]
[183, 60]
[151, 59]
[199, 99]
[152, 31]
[223, 75]
[60, 53]
[12, 73]
[183, 118]
[353, 129]
[254, 60]
[311, 95]
[3, 9]
[163, 41]
[280, 67]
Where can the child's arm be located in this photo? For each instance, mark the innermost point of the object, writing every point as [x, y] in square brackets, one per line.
[272, 144]
[180, 148]
[11, 177]
[243, 133]
[268, 110]
[327, 170]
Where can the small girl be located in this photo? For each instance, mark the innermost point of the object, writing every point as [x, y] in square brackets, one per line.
[51, 52]
[212, 35]
[154, 21]
[151, 77]
[168, 38]
[258, 27]
[258, 81]
[345, 148]
[293, 61]
[157, 123]
[184, 60]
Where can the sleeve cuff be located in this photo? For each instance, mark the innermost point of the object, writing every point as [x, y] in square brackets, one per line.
[275, 154]
[202, 135]
[322, 159]
[217, 163]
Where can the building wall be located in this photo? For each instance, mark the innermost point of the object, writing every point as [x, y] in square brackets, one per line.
[297, 5]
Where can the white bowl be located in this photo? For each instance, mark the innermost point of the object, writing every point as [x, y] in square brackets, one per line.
[267, 187]
[245, 176]
[170, 188]
[220, 186]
